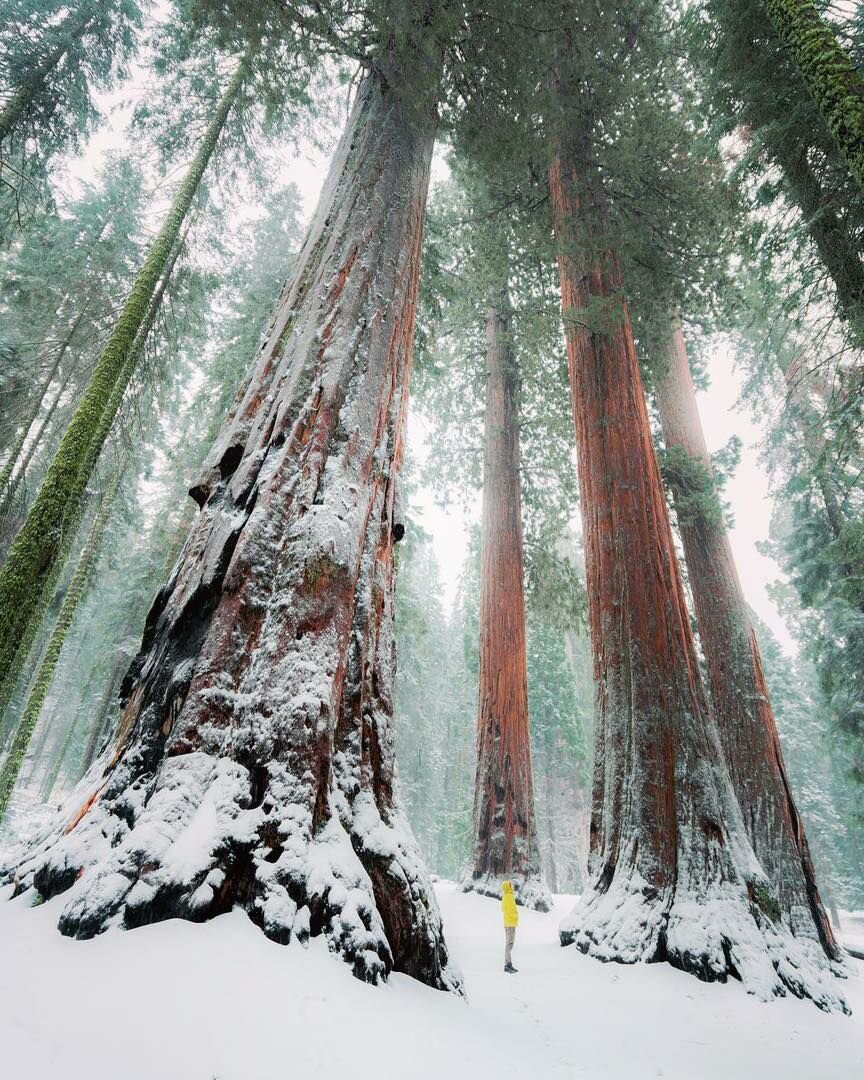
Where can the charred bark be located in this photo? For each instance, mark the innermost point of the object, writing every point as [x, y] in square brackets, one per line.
[742, 707]
[259, 705]
[673, 876]
[505, 830]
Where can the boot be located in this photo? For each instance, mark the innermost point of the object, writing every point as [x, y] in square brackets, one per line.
[510, 969]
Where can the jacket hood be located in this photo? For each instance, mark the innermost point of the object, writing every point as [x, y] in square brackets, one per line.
[506, 887]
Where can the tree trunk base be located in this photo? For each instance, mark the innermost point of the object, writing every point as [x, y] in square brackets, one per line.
[197, 843]
[715, 935]
[530, 892]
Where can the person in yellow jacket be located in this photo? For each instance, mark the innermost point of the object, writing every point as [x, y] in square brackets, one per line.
[511, 921]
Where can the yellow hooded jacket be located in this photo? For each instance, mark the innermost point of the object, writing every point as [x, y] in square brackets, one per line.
[508, 905]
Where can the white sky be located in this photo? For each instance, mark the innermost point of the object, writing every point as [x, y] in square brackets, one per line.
[747, 492]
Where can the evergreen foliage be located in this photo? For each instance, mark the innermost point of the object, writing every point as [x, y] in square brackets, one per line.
[53, 60]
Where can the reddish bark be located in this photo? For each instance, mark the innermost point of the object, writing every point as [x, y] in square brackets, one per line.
[739, 696]
[673, 876]
[505, 832]
[261, 695]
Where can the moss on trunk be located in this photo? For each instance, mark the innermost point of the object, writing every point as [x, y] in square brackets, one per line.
[40, 546]
[827, 70]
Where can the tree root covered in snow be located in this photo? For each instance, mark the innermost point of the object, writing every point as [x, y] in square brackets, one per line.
[530, 892]
[196, 842]
[721, 934]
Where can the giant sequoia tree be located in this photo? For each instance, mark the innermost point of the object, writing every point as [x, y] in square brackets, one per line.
[739, 694]
[673, 875]
[489, 368]
[505, 830]
[262, 695]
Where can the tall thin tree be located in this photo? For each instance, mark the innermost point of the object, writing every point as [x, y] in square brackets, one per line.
[39, 546]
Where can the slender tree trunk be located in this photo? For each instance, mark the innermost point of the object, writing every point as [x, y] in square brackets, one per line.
[53, 772]
[828, 72]
[742, 707]
[7, 685]
[48, 664]
[505, 829]
[39, 546]
[73, 28]
[262, 693]
[105, 712]
[551, 831]
[805, 419]
[8, 482]
[673, 876]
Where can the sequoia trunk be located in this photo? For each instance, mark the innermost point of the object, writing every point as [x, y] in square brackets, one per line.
[739, 695]
[261, 698]
[505, 831]
[673, 876]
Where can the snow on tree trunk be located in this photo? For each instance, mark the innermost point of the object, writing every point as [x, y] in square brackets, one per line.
[739, 696]
[505, 830]
[253, 763]
[673, 875]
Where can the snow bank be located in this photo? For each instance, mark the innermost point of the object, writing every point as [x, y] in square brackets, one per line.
[219, 1001]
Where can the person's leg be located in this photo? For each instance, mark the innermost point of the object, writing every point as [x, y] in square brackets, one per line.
[509, 938]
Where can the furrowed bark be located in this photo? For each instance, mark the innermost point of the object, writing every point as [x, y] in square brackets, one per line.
[48, 663]
[828, 72]
[505, 831]
[739, 696]
[673, 876]
[38, 548]
[261, 697]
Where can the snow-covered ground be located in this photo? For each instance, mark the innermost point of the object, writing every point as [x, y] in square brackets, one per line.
[178, 1001]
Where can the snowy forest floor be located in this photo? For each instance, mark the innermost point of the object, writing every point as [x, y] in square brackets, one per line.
[219, 1002]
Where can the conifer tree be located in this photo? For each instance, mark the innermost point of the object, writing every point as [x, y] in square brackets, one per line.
[505, 830]
[752, 87]
[52, 58]
[39, 547]
[59, 292]
[667, 836]
[293, 552]
[739, 695]
[828, 72]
